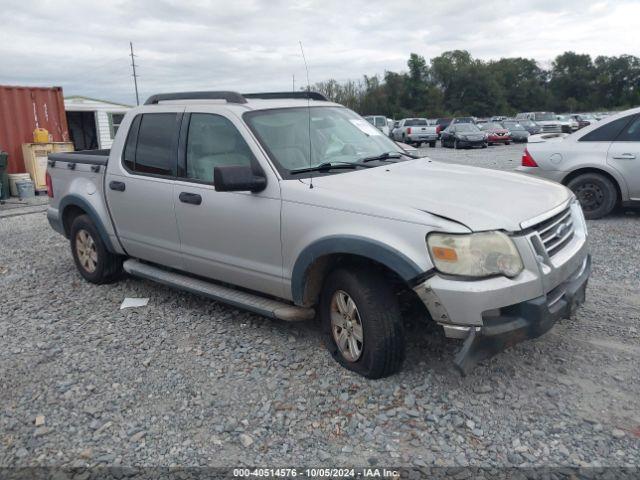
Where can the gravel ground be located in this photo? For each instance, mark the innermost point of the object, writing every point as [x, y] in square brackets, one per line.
[187, 381]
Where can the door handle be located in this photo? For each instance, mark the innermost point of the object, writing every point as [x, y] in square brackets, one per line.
[192, 198]
[117, 186]
[625, 156]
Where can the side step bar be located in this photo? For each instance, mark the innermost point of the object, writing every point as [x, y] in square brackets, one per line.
[237, 298]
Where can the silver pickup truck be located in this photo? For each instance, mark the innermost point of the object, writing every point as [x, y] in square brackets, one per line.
[297, 208]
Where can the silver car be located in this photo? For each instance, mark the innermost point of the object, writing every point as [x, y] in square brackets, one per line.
[600, 163]
[297, 208]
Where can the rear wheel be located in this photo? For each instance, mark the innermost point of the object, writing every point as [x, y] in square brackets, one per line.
[596, 193]
[432, 144]
[507, 143]
[361, 322]
[94, 262]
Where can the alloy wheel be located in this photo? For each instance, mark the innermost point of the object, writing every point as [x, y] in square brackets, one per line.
[86, 251]
[346, 326]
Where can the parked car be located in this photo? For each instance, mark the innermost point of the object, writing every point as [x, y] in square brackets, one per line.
[380, 122]
[441, 124]
[463, 135]
[415, 131]
[496, 133]
[530, 126]
[498, 118]
[546, 120]
[517, 132]
[568, 124]
[463, 120]
[211, 192]
[600, 163]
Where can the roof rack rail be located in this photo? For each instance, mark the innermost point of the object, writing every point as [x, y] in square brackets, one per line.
[230, 97]
[284, 95]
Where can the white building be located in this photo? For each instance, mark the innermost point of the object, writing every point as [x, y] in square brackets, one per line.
[93, 123]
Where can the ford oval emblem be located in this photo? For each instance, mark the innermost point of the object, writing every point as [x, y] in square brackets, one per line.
[562, 228]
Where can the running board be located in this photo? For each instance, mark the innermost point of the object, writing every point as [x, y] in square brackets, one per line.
[237, 298]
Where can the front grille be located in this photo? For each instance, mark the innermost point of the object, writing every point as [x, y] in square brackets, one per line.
[551, 128]
[556, 232]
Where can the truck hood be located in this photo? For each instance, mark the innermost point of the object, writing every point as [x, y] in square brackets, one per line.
[479, 198]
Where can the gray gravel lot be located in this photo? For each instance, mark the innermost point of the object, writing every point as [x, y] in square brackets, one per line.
[191, 382]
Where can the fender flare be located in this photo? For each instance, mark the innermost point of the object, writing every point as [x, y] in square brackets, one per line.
[379, 252]
[77, 201]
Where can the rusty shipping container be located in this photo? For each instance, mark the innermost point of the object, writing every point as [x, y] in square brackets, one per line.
[22, 110]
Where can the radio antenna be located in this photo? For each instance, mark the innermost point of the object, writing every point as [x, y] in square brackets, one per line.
[306, 67]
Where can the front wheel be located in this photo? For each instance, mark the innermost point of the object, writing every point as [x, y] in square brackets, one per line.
[596, 193]
[94, 262]
[507, 143]
[361, 322]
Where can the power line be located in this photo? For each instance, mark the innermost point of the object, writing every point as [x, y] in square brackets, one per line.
[135, 76]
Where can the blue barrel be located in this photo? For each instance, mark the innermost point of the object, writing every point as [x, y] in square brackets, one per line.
[25, 189]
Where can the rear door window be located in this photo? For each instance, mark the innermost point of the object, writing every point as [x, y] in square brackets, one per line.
[607, 132]
[156, 152]
[151, 146]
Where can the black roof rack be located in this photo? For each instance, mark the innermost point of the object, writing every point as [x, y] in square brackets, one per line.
[231, 97]
[283, 95]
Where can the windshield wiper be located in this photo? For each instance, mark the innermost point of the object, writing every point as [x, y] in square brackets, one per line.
[327, 166]
[386, 157]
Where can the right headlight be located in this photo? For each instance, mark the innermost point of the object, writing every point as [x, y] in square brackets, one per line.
[474, 255]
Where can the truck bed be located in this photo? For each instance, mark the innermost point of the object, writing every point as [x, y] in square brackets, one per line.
[90, 157]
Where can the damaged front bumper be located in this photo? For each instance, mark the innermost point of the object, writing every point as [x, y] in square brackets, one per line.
[495, 313]
[522, 321]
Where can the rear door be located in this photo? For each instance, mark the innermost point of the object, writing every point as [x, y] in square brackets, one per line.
[140, 189]
[624, 155]
[228, 236]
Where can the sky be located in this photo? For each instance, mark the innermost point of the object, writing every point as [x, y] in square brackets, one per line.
[253, 45]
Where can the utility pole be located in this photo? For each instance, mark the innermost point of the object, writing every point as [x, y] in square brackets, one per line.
[293, 85]
[135, 76]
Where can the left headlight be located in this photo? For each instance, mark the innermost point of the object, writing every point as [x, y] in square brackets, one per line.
[474, 255]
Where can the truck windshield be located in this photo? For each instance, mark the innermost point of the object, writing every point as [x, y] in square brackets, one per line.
[297, 138]
[380, 122]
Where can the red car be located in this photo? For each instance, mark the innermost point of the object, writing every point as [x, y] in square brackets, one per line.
[496, 133]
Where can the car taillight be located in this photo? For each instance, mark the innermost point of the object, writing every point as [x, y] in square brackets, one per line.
[527, 159]
[49, 185]
[438, 128]
[409, 131]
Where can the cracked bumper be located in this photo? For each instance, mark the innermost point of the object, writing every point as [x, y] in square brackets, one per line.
[523, 321]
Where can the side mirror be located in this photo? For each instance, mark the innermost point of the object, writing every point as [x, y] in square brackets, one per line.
[238, 178]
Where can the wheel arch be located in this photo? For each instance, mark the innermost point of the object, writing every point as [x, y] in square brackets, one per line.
[599, 171]
[322, 256]
[71, 207]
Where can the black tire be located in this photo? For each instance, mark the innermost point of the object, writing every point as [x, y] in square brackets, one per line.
[383, 345]
[432, 144]
[507, 143]
[417, 144]
[107, 268]
[484, 145]
[597, 194]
